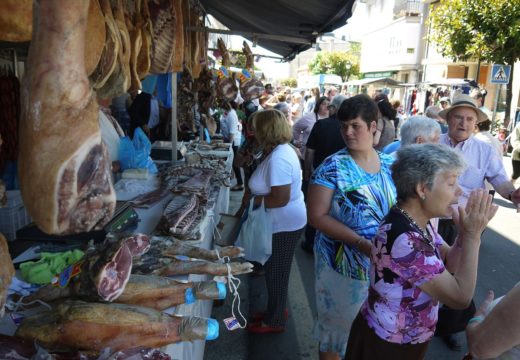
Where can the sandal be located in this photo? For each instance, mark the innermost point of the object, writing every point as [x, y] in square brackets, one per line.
[261, 328]
[259, 316]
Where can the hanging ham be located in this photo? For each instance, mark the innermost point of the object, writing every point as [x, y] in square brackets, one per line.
[226, 86]
[110, 55]
[145, 23]
[64, 167]
[163, 16]
[16, 26]
[250, 87]
[15, 20]
[179, 51]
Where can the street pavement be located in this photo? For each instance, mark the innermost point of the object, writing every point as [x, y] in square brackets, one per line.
[499, 270]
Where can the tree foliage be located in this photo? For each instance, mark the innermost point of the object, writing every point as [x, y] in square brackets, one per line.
[480, 29]
[289, 82]
[336, 62]
[486, 30]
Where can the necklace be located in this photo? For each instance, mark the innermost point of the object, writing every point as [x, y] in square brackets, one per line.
[425, 236]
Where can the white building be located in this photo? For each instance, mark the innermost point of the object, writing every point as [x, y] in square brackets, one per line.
[392, 45]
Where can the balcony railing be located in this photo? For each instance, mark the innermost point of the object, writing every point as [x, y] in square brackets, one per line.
[407, 8]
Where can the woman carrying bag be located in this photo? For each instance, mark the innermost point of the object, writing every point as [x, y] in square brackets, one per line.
[276, 184]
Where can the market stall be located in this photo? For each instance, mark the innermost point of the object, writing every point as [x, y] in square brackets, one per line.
[154, 228]
[370, 85]
[202, 179]
[151, 210]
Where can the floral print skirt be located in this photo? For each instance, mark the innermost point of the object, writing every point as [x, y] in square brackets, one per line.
[338, 299]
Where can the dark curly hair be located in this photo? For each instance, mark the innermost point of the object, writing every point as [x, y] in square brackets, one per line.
[359, 105]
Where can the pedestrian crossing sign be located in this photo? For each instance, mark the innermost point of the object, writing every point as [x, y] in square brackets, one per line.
[500, 74]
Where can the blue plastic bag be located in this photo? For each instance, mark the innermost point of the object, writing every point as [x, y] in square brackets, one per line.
[135, 154]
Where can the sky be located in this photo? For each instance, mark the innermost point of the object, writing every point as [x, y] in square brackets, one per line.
[275, 69]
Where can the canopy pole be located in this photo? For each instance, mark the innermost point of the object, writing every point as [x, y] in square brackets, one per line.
[174, 117]
[15, 63]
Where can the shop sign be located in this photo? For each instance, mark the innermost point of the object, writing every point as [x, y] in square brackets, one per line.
[379, 74]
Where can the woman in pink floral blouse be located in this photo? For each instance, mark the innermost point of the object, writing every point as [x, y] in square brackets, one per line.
[411, 266]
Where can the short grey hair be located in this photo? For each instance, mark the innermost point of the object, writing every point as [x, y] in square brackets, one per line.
[417, 126]
[432, 111]
[420, 164]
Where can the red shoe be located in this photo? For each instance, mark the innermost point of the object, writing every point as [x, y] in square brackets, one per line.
[261, 328]
[259, 316]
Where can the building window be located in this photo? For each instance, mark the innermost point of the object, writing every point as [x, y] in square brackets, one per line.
[410, 50]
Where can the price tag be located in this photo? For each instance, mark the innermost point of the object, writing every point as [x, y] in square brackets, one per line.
[231, 323]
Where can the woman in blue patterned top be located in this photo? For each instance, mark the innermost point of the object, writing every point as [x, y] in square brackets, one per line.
[349, 195]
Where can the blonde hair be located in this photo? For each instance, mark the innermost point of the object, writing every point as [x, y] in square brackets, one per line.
[271, 128]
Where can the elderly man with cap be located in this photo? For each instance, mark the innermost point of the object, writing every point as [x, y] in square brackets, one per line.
[482, 163]
[325, 139]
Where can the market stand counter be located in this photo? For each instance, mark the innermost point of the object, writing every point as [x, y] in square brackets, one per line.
[201, 308]
[218, 202]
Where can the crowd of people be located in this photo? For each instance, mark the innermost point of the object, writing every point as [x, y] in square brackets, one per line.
[393, 210]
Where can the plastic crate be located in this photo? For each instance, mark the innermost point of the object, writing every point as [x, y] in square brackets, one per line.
[14, 216]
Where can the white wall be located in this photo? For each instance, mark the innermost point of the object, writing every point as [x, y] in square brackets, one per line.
[386, 48]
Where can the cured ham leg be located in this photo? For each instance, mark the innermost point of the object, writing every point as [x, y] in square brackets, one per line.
[226, 87]
[163, 17]
[181, 267]
[64, 167]
[109, 57]
[179, 248]
[77, 325]
[15, 20]
[250, 87]
[104, 272]
[161, 293]
[155, 292]
[16, 348]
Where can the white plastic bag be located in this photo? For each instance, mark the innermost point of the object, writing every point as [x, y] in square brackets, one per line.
[256, 234]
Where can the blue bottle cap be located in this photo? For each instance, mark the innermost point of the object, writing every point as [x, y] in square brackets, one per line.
[212, 329]
[189, 297]
[221, 290]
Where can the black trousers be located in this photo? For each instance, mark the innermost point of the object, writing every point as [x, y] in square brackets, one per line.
[516, 169]
[236, 169]
[452, 321]
[310, 232]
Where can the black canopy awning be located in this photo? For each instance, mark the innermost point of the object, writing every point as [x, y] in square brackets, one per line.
[290, 26]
